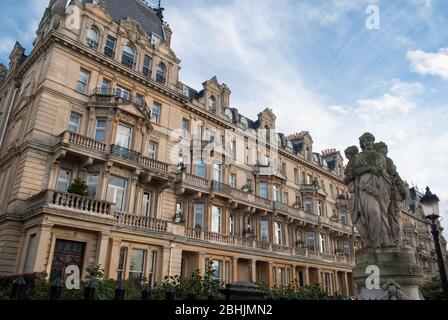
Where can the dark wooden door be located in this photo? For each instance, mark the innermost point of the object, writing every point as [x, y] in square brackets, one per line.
[66, 253]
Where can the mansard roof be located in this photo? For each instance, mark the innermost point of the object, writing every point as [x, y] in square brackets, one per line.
[138, 11]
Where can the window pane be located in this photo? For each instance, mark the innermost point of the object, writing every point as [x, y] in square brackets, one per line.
[121, 263]
[63, 180]
[198, 215]
[200, 169]
[263, 190]
[146, 205]
[73, 123]
[152, 151]
[100, 130]
[137, 265]
[155, 113]
[116, 192]
[109, 49]
[216, 219]
[83, 80]
[92, 184]
[124, 136]
[264, 224]
[105, 86]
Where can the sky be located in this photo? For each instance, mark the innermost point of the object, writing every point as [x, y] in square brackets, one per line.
[318, 65]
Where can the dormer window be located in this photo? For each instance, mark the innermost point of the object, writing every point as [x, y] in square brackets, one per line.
[161, 73]
[212, 105]
[92, 38]
[128, 56]
[229, 114]
[155, 39]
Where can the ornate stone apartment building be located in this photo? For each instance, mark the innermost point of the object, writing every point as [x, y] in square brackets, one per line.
[176, 178]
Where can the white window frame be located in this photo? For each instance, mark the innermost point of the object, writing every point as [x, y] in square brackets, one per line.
[92, 184]
[216, 219]
[115, 191]
[196, 213]
[99, 129]
[152, 152]
[83, 84]
[74, 124]
[63, 180]
[146, 204]
[158, 107]
[122, 136]
[278, 233]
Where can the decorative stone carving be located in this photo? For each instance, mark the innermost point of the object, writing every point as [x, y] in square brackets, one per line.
[378, 193]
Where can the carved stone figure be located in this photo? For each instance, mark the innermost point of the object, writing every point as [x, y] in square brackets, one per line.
[377, 193]
[393, 291]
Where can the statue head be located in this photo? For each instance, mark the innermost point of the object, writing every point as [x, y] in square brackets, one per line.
[381, 147]
[366, 141]
[351, 152]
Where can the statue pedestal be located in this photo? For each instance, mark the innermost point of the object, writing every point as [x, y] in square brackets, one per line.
[393, 264]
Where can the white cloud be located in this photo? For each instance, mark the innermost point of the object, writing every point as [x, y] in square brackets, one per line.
[427, 63]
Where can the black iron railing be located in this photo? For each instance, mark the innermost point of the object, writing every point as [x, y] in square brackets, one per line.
[120, 93]
[220, 187]
[124, 153]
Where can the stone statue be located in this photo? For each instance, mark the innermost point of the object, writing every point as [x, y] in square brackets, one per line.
[392, 291]
[377, 193]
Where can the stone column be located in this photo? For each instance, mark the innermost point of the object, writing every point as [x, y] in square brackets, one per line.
[43, 243]
[132, 192]
[201, 266]
[114, 259]
[306, 276]
[105, 181]
[254, 270]
[319, 276]
[235, 269]
[346, 285]
[270, 275]
[337, 285]
[102, 249]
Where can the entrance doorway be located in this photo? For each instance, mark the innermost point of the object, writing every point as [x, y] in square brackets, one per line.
[66, 253]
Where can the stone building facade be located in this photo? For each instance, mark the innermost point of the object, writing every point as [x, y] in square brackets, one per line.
[176, 178]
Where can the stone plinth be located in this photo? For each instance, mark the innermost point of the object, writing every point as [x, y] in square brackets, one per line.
[394, 265]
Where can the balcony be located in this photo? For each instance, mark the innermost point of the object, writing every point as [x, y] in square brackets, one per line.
[154, 164]
[72, 202]
[145, 223]
[104, 95]
[280, 206]
[82, 141]
[186, 181]
[220, 188]
[124, 154]
[282, 249]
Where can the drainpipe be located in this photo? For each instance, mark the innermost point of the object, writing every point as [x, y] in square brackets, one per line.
[8, 114]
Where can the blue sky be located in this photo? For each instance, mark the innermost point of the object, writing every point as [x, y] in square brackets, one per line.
[317, 65]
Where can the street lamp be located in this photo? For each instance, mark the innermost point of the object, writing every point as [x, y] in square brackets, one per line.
[430, 205]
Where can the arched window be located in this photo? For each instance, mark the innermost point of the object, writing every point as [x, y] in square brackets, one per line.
[161, 73]
[212, 104]
[128, 56]
[92, 38]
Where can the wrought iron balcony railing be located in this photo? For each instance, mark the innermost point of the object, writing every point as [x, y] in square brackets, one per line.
[221, 187]
[124, 153]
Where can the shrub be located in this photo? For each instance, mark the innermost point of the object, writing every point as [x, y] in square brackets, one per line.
[432, 290]
[78, 187]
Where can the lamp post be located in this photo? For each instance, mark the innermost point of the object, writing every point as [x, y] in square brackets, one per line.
[430, 205]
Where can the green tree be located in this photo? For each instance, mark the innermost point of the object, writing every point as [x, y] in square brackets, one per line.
[78, 187]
